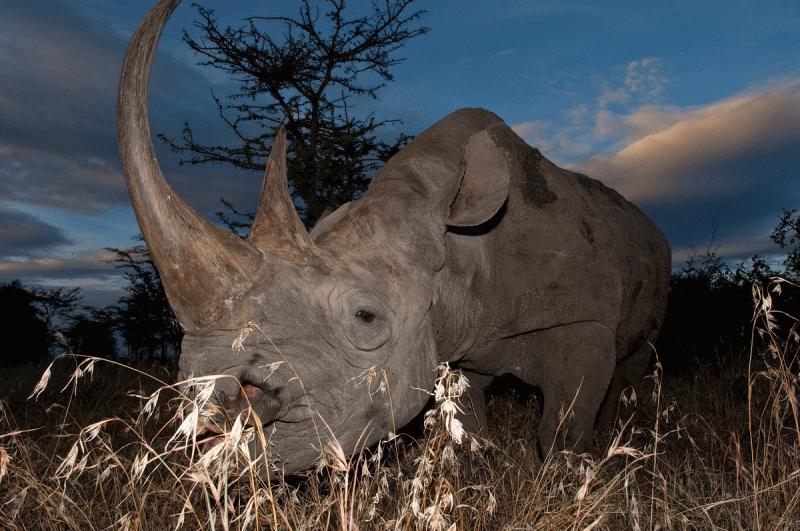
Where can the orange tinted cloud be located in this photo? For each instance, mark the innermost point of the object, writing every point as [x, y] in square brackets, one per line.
[667, 153]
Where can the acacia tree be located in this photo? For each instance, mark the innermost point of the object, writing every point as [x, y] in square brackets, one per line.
[57, 306]
[305, 79]
[92, 332]
[787, 236]
[145, 318]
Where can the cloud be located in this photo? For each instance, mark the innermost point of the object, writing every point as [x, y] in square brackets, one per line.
[58, 145]
[613, 95]
[717, 174]
[644, 83]
[504, 52]
[57, 132]
[672, 154]
[22, 234]
[557, 143]
[100, 282]
[624, 107]
[645, 79]
[64, 70]
[639, 122]
[87, 265]
[537, 133]
[578, 113]
[80, 184]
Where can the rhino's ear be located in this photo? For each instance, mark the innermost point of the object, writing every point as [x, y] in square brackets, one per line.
[485, 177]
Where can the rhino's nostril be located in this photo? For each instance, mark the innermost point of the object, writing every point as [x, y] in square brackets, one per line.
[252, 392]
[253, 398]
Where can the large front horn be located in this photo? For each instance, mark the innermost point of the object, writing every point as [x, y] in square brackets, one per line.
[204, 269]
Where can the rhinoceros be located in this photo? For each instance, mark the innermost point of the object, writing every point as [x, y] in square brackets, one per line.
[469, 247]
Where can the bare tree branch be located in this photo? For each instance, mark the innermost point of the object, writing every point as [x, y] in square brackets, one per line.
[304, 77]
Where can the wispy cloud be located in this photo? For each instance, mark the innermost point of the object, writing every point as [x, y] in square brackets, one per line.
[504, 52]
[628, 106]
[645, 79]
[613, 95]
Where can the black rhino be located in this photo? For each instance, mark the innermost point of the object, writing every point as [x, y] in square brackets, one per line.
[469, 247]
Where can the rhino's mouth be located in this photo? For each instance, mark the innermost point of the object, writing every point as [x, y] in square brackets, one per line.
[208, 437]
[255, 406]
[216, 430]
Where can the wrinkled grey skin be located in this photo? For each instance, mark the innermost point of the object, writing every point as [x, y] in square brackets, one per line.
[469, 247]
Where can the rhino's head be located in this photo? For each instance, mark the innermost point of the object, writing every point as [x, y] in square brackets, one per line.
[329, 334]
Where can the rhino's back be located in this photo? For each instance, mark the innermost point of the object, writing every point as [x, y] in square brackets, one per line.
[568, 249]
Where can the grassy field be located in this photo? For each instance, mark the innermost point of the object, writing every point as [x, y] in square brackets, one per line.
[716, 448]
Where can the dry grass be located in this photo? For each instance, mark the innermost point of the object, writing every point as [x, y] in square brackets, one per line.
[719, 449]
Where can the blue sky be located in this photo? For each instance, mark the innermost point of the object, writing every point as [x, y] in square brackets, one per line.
[691, 110]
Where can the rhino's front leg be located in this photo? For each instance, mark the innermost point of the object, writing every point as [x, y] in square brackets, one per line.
[572, 364]
[473, 404]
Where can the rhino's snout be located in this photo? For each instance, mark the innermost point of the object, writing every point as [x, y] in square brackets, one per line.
[250, 399]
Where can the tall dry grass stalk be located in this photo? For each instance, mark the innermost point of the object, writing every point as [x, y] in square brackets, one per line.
[717, 449]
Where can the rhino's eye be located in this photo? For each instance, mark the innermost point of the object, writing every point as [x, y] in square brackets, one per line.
[367, 328]
[365, 316]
